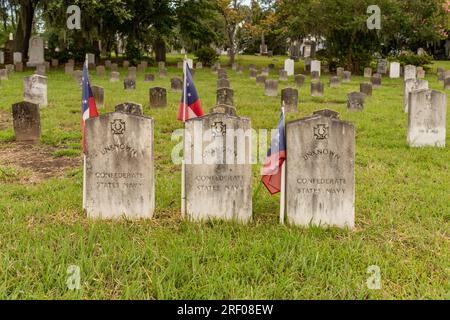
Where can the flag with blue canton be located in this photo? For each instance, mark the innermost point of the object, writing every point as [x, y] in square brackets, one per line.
[88, 105]
[192, 108]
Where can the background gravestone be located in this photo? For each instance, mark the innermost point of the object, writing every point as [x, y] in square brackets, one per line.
[366, 88]
[315, 66]
[253, 73]
[3, 74]
[132, 73]
[99, 96]
[320, 172]
[126, 64]
[410, 72]
[35, 90]
[289, 99]
[347, 77]
[199, 65]
[340, 72]
[115, 76]
[315, 76]
[427, 118]
[129, 84]
[420, 73]
[283, 75]
[119, 167]
[317, 89]
[131, 108]
[409, 86]
[219, 177]
[382, 66]
[335, 82]
[447, 83]
[114, 67]
[300, 80]
[91, 60]
[18, 67]
[41, 70]
[158, 97]
[355, 101]
[376, 81]
[223, 83]
[225, 96]
[68, 69]
[100, 70]
[55, 63]
[176, 84]
[17, 57]
[271, 88]
[78, 76]
[261, 80]
[149, 78]
[108, 64]
[26, 121]
[367, 72]
[289, 66]
[36, 52]
[394, 71]
[162, 73]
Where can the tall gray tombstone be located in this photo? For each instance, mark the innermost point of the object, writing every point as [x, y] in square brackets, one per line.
[225, 96]
[224, 83]
[316, 66]
[36, 52]
[366, 88]
[367, 72]
[99, 96]
[317, 89]
[427, 118]
[26, 122]
[158, 97]
[289, 99]
[382, 66]
[176, 85]
[119, 180]
[355, 101]
[394, 70]
[35, 90]
[115, 76]
[320, 172]
[271, 88]
[129, 84]
[218, 170]
[409, 86]
[300, 80]
[335, 82]
[131, 108]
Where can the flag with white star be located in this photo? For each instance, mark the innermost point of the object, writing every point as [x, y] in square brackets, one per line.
[192, 108]
[88, 105]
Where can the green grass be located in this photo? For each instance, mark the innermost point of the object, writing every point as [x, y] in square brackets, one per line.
[402, 211]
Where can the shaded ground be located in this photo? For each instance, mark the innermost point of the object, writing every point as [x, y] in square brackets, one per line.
[37, 161]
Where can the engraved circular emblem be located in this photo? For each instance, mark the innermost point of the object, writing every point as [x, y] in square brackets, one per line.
[321, 132]
[118, 126]
[219, 129]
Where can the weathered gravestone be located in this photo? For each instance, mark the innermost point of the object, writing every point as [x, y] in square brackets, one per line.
[225, 96]
[265, 72]
[394, 71]
[10, 68]
[427, 118]
[91, 60]
[119, 179]
[78, 76]
[114, 67]
[300, 80]
[132, 71]
[199, 65]
[158, 97]
[129, 84]
[115, 76]
[367, 72]
[55, 63]
[126, 64]
[409, 86]
[100, 70]
[222, 74]
[18, 67]
[36, 52]
[2, 57]
[315, 76]
[161, 65]
[289, 99]
[68, 68]
[218, 170]
[307, 67]
[176, 84]
[289, 66]
[366, 88]
[382, 66]
[320, 173]
[376, 81]
[224, 83]
[271, 88]
[317, 89]
[131, 108]
[347, 77]
[3, 74]
[335, 82]
[99, 96]
[40, 70]
[149, 78]
[315, 66]
[17, 57]
[253, 73]
[108, 64]
[261, 80]
[35, 90]
[162, 73]
[410, 72]
[447, 83]
[26, 121]
[420, 73]
[283, 75]
[355, 101]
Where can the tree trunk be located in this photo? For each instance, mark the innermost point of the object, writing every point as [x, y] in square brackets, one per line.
[160, 49]
[24, 27]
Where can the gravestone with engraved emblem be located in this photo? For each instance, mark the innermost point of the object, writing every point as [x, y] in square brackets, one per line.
[320, 171]
[129, 84]
[119, 181]
[218, 168]
[26, 122]
[131, 108]
[158, 97]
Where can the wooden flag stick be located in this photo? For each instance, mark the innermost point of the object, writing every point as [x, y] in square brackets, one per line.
[183, 165]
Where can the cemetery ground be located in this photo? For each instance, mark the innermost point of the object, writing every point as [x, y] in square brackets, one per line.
[402, 206]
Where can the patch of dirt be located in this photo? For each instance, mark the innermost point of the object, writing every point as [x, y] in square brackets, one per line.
[38, 160]
[5, 120]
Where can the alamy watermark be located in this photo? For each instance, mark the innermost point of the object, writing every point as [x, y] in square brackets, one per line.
[374, 281]
[374, 21]
[74, 20]
[73, 280]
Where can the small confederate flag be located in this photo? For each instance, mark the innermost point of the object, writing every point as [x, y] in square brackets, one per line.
[88, 105]
[276, 156]
[192, 108]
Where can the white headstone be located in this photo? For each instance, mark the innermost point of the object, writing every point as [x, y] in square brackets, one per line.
[36, 52]
[410, 72]
[17, 57]
[289, 67]
[394, 70]
[35, 90]
[315, 66]
[119, 179]
[427, 118]
[190, 63]
[409, 86]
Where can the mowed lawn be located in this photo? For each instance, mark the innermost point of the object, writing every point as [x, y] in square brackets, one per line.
[402, 207]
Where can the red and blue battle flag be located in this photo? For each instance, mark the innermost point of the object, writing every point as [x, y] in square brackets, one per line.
[193, 108]
[276, 156]
[88, 105]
